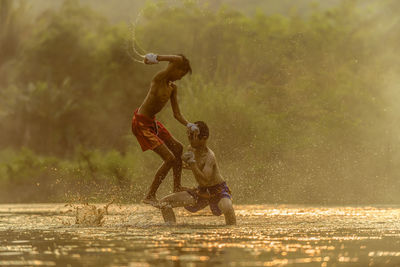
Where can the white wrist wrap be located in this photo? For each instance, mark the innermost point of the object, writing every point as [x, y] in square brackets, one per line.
[152, 58]
[193, 127]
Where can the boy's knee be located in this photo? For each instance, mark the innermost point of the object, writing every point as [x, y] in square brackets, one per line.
[225, 204]
[226, 207]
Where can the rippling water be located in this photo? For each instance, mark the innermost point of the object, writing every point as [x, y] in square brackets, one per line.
[134, 235]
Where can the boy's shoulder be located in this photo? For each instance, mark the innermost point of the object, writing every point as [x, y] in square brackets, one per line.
[211, 156]
[211, 153]
[159, 77]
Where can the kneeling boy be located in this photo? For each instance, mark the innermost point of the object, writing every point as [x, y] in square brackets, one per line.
[212, 189]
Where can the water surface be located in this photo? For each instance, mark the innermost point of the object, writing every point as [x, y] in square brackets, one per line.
[134, 235]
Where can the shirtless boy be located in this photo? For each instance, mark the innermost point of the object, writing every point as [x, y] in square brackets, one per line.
[150, 133]
[212, 189]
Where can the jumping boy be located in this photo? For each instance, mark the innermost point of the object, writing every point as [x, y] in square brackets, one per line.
[150, 133]
[212, 189]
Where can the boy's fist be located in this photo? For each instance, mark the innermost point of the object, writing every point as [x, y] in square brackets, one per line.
[193, 127]
[188, 157]
[150, 58]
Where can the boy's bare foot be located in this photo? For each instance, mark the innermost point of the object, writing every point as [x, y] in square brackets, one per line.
[151, 201]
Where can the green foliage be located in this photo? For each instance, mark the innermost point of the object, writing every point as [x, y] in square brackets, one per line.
[11, 29]
[295, 104]
[90, 174]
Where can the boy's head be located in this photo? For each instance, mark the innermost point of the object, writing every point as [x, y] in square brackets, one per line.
[202, 137]
[179, 69]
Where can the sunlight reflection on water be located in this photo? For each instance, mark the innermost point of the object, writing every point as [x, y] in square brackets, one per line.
[134, 235]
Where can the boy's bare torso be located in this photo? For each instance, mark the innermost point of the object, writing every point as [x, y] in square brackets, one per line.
[207, 163]
[157, 97]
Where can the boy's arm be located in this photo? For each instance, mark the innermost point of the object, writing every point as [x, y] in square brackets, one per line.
[207, 172]
[198, 174]
[170, 58]
[177, 113]
[154, 59]
[185, 164]
[175, 106]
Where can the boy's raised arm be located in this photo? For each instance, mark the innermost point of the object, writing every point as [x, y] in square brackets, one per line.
[154, 59]
[170, 58]
[177, 113]
[175, 106]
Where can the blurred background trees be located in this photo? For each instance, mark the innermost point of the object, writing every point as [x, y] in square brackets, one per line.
[301, 99]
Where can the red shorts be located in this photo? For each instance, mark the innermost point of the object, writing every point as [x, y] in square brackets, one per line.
[149, 132]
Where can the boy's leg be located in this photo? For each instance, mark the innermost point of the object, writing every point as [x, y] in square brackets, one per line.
[179, 199]
[177, 148]
[168, 215]
[169, 159]
[225, 205]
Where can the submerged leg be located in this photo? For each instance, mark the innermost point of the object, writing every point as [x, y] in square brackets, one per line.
[225, 205]
[162, 172]
[168, 215]
[179, 199]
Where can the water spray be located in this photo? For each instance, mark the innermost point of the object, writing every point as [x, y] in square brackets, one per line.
[133, 44]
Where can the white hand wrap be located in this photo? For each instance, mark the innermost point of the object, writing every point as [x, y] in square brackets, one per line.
[152, 58]
[193, 127]
[188, 157]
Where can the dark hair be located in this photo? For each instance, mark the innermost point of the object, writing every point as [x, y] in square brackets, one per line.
[204, 131]
[185, 64]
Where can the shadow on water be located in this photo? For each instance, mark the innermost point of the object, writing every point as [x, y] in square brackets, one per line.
[134, 235]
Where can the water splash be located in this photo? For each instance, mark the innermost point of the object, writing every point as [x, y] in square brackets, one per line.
[90, 215]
